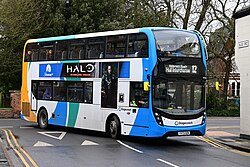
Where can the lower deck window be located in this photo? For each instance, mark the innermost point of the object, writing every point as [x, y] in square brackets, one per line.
[63, 91]
[138, 97]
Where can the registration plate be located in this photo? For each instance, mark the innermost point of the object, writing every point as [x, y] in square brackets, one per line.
[184, 133]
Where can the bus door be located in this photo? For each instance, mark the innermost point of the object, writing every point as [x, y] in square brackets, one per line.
[33, 96]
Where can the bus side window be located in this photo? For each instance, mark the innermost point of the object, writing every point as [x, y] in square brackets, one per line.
[77, 49]
[75, 92]
[59, 91]
[61, 50]
[138, 97]
[116, 46]
[138, 45]
[88, 92]
[46, 51]
[95, 47]
[31, 52]
[45, 90]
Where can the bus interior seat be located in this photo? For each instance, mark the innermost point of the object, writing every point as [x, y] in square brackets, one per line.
[64, 55]
[42, 56]
[81, 54]
[58, 54]
[74, 54]
[92, 54]
[34, 56]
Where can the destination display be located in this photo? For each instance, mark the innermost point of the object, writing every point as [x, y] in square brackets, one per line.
[181, 69]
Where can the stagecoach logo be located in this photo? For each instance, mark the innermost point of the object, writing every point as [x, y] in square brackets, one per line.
[78, 70]
[124, 109]
[183, 123]
[48, 72]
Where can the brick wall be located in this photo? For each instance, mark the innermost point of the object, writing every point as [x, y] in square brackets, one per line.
[15, 96]
[6, 113]
[15, 110]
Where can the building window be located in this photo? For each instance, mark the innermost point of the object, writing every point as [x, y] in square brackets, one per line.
[233, 89]
[238, 89]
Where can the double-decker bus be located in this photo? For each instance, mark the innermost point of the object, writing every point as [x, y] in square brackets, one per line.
[146, 82]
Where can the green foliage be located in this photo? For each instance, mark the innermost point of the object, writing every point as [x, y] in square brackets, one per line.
[215, 101]
[223, 113]
[21, 20]
[217, 106]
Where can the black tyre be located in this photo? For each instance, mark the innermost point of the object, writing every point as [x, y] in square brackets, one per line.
[43, 119]
[114, 127]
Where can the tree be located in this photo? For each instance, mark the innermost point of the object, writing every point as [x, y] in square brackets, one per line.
[222, 40]
[21, 20]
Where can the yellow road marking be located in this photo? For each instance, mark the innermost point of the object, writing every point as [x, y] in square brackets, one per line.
[24, 152]
[16, 151]
[210, 142]
[217, 144]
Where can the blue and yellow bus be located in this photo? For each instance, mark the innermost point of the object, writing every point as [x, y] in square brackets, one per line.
[146, 82]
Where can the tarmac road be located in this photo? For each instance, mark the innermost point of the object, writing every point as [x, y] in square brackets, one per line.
[73, 147]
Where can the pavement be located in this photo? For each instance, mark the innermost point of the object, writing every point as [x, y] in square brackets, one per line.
[229, 136]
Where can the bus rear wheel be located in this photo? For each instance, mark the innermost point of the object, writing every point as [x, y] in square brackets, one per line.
[43, 119]
[114, 127]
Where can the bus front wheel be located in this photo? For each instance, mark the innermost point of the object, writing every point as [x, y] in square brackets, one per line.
[43, 119]
[114, 127]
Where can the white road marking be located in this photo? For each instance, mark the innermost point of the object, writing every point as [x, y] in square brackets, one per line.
[26, 127]
[48, 134]
[6, 127]
[42, 144]
[129, 147]
[89, 143]
[166, 162]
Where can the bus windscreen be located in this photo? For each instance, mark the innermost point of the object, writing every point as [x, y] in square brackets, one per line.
[177, 44]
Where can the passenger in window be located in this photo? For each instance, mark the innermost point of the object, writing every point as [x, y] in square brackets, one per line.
[29, 56]
[47, 94]
[143, 51]
[49, 55]
[133, 103]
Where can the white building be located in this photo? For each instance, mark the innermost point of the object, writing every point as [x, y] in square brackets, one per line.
[242, 53]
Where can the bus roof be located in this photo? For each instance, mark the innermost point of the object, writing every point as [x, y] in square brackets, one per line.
[99, 34]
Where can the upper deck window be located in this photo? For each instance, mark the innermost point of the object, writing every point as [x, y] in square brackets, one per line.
[31, 52]
[46, 51]
[138, 45]
[175, 43]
